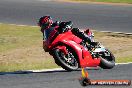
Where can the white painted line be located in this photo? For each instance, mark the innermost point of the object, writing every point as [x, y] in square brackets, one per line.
[45, 70]
[20, 25]
[61, 69]
[123, 63]
[58, 69]
[115, 32]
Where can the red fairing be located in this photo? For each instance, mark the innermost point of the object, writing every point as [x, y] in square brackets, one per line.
[73, 41]
[60, 38]
[88, 60]
[63, 48]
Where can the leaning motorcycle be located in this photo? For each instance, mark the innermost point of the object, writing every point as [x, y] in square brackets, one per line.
[71, 52]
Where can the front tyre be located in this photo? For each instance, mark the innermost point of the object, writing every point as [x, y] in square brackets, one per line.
[68, 62]
[107, 60]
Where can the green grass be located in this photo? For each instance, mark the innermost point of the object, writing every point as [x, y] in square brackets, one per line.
[38, 65]
[21, 48]
[124, 59]
[12, 37]
[113, 1]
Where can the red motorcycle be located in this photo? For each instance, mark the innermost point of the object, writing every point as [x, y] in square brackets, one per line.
[70, 52]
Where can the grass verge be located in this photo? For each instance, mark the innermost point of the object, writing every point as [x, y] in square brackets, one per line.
[21, 48]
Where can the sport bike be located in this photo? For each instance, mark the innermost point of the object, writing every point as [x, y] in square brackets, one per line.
[71, 52]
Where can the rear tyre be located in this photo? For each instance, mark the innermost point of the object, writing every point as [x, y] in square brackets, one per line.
[68, 62]
[107, 60]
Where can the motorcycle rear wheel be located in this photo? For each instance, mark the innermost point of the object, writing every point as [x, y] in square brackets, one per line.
[68, 62]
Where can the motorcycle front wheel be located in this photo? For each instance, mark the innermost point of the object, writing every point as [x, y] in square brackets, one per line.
[107, 59]
[68, 62]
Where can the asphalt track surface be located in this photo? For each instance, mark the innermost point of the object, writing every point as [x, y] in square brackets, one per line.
[99, 17]
[63, 79]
